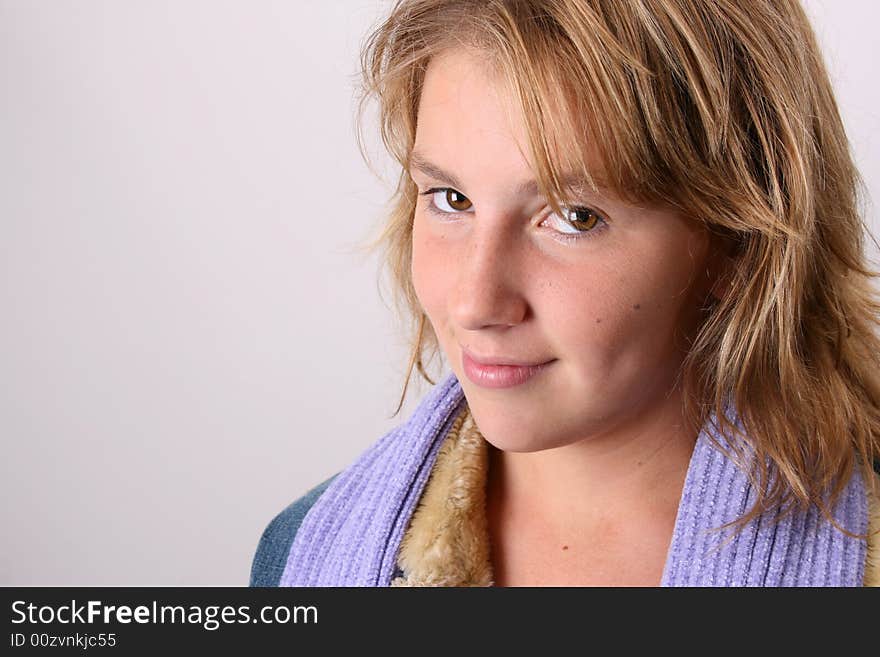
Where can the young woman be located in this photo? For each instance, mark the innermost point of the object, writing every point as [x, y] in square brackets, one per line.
[631, 228]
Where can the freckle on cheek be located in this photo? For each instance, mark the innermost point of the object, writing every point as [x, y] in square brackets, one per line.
[637, 306]
[598, 320]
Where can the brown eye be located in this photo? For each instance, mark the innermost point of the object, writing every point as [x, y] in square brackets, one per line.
[575, 223]
[445, 200]
[583, 218]
[457, 201]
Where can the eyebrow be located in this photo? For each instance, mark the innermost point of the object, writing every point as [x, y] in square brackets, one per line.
[528, 187]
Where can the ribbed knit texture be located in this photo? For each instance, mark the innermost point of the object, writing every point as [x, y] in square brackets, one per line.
[351, 535]
[803, 549]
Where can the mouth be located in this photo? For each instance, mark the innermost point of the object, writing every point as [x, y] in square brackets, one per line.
[504, 374]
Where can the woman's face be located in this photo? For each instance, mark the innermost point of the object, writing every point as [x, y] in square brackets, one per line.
[496, 275]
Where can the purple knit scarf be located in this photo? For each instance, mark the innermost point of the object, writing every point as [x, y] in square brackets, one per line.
[351, 535]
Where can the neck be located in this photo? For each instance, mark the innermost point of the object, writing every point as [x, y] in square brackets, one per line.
[635, 470]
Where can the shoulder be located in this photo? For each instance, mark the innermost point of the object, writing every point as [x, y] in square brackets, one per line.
[274, 546]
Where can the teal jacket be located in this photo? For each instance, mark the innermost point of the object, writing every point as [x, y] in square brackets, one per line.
[274, 546]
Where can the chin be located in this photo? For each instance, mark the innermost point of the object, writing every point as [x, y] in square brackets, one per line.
[525, 445]
[510, 435]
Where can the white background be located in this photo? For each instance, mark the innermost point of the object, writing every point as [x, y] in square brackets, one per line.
[188, 339]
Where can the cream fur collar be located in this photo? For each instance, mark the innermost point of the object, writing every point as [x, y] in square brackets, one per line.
[447, 542]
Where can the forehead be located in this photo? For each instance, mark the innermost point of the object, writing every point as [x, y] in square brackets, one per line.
[460, 88]
[466, 103]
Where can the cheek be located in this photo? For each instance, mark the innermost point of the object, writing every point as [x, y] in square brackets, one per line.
[430, 269]
[586, 304]
[622, 311]
[591, 322]
[659, 307]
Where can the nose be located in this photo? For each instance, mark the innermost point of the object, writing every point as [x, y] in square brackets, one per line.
[487, 291]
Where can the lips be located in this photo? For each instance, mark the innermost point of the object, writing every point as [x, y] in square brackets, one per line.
[500, 375]
[501, 360]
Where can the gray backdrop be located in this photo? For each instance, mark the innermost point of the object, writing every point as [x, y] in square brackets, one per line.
[188, 342]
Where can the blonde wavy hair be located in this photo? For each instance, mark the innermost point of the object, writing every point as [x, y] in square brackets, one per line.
[723, 109]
